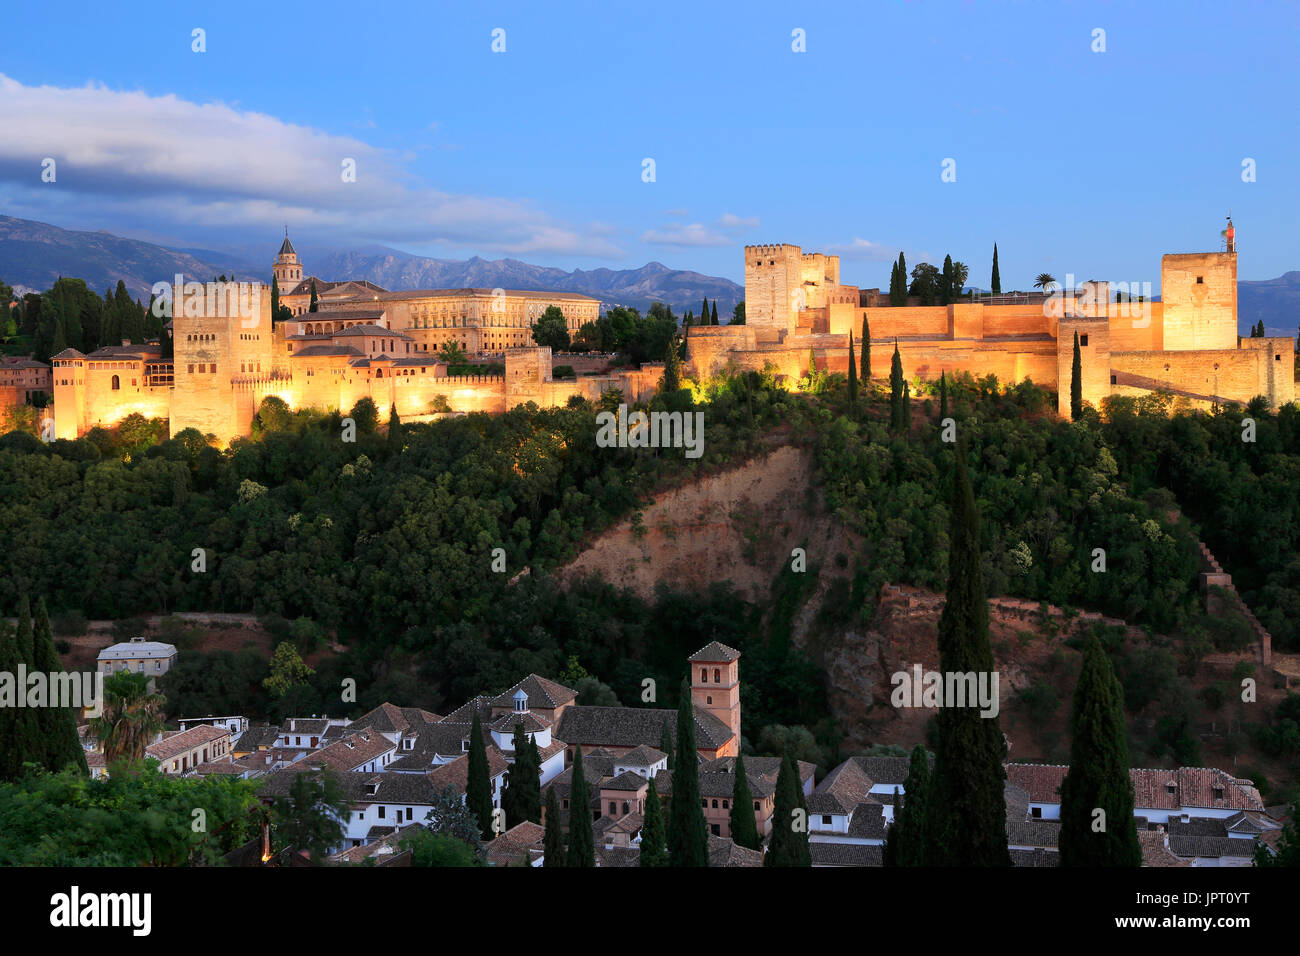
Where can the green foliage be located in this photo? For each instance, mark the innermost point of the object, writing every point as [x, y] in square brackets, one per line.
[1098, 778]
[788, 844]
[966, 813]
[553, 841]
[478, 787]
[287, 670]
[309, 819]
[551, 329]
[995, 282]
[522, 799]
[654, 841]
[688, 843]
[744, 827]
[1076, 382]
[438, 849]
[906, 842]
[142, 818]
[582, 846]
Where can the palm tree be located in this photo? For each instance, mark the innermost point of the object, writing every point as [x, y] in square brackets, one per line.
[960, 272]
[1044, 280]
[131, 719]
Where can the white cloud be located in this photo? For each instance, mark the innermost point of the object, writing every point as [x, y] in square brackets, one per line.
[694, 234]
[213, 165]
[729, 221]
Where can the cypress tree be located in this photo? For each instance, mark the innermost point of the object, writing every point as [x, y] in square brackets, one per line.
[19, 736]
[553, 842]
[654, 842]
[896, 390]
[394, 430]
[908, 832]
[945, 283]
[522, 799]
[478, 785]
[865, 366]
[275, 299]
[57, 726]
[812, 362]
[582, 842]
[704, 312]
[672, 378]
[312, 306]
[966, 811]
[853, 375]
[744, 829]
[714, 319]
[666, 744]
[1076, 382]
[943, 396]
[1099, 772]
[995, 283]
[688, 841]
[907, 408]
[789, 841]
[902, 279]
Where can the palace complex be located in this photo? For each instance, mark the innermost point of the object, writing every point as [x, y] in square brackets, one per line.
[1186, 344]
[364, 341]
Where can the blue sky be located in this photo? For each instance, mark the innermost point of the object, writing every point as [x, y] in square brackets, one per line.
[1073, 161]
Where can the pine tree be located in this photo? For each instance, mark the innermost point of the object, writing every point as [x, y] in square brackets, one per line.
[478, 786]
[865, 367]
[57, 726]
[896, 391]
[582, 842]
[713, 320]
[996, 282]
[312, 306]
[853, 375]
[522, 798]
[1076, 382]
[688, 842]
[788, 845]
[943, 397]
[394, 430]
[654, 842]
[966, 812]
[666, 743]
[553, 842]
[744, 829]
[1099, 772]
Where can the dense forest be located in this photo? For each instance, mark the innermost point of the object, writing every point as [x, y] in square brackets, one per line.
[389, 541]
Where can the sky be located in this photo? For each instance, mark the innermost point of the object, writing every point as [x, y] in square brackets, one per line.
[1077, 152]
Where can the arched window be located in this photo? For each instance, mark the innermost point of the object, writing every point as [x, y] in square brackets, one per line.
[704, 675]
[716, 678]
[116, 383]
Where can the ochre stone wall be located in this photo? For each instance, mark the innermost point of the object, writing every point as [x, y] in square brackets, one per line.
[1202, 375]
[1199, 293]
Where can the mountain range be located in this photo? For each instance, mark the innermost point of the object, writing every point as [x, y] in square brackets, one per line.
[34, 254]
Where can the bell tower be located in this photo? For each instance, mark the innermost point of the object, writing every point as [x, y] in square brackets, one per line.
[287, 269]
[715, 687]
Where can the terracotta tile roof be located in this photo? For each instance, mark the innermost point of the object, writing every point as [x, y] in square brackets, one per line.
[642, 756]
[353, 751]
[256, 737]
[1153, 789]
[505, 724]
[543, 693]
[633, 726]
[456, 773]
[185, 740]
[1035, 857]
[516, 845]
[627, 780]
[724, 852]
[846, 854]
[714, 653]
[1155, 849]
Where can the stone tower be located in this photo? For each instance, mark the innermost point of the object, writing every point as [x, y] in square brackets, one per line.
[1199, 292]
[774, 286]
[287, 268]
[715, 684]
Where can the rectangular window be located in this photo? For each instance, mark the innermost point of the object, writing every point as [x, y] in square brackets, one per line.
[826, 819]
[1083, 341]
[1200, 280]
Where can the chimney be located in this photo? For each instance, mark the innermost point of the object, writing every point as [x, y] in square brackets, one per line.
[126, 341]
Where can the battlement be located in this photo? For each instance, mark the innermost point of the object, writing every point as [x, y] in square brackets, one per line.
[773, 249]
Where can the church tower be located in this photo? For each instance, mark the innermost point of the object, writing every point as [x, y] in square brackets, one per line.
[715, 686]
[287, 269]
